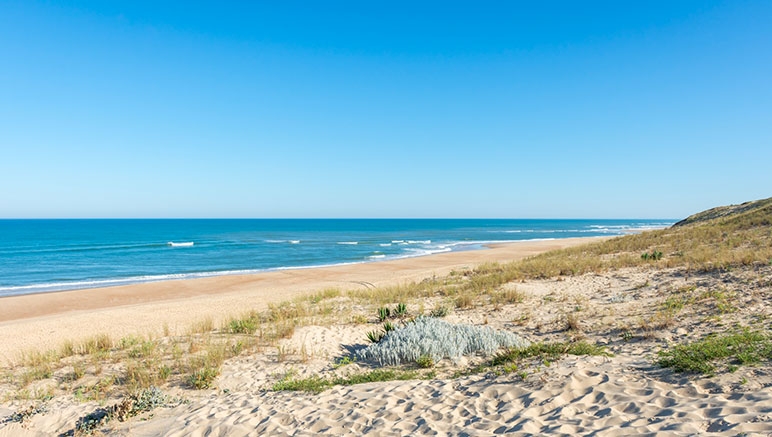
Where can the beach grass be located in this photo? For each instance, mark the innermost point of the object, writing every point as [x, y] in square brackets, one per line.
[318, 384]
[743, 348]
[548, 351]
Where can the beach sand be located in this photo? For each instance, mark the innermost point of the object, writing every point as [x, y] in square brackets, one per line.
[621, 394]
[44, 321]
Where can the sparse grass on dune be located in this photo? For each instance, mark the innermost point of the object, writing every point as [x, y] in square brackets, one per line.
[549, 351]
[193, 359]
[745, 347]
[318, 384]
[398, 293]
[730, 241]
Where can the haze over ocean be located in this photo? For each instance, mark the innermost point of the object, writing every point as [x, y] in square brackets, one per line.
[50, 255]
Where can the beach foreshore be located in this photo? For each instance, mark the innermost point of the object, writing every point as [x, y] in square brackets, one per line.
[44, 321]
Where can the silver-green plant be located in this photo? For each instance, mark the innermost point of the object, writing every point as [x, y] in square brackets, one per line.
[437, 339]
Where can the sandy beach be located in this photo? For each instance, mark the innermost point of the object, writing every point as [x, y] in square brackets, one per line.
[617, 392]
[44, 321]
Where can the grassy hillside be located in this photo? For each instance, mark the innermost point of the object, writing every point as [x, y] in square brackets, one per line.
[731, 212]
[742, 237]
[719, 238]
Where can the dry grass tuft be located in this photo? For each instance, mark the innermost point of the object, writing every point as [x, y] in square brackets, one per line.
[573, 323]
[202, 326]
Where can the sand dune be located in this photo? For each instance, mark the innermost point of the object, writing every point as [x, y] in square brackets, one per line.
[581, 396]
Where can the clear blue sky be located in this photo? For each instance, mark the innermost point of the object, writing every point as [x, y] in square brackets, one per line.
[614, 109]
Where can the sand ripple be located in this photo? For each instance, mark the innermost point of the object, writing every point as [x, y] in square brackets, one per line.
[593, 398]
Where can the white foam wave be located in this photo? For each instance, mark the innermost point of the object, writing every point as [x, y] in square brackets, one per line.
[379, 256]
[592, 229]
[180, 244]
[348, 243]
[422, 252]
[385, 244]
[419, 241]
[294, 241]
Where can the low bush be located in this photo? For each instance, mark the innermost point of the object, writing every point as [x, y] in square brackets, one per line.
[202, 378]
[653, 256]
[437, 339]
[242, 326]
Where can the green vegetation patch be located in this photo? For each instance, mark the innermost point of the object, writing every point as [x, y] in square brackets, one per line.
[243, 326]
[550, 351]
[317, 384]
[742, 348]
[378, 375]
[313, 384]
[204, 377]
[25, 414]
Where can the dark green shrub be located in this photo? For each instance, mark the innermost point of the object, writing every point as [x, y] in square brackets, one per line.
[383, 313]
[375, 336]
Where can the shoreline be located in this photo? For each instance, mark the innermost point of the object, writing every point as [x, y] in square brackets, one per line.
[47, 288]
[45, 320]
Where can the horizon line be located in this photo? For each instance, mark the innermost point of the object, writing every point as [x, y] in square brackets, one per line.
[339, 218]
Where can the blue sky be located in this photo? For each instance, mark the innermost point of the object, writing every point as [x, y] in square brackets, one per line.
[383, 109]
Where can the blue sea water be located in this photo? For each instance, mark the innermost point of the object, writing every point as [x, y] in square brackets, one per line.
[50, 255]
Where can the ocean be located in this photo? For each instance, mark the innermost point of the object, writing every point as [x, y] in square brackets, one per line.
[39, 256]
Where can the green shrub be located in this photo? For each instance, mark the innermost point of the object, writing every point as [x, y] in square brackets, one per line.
[653, 256]
[203, 377]
[388, 326]
[425, 361]
[345, 361]
[375, 336]
[242, 326]
[383, 313]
